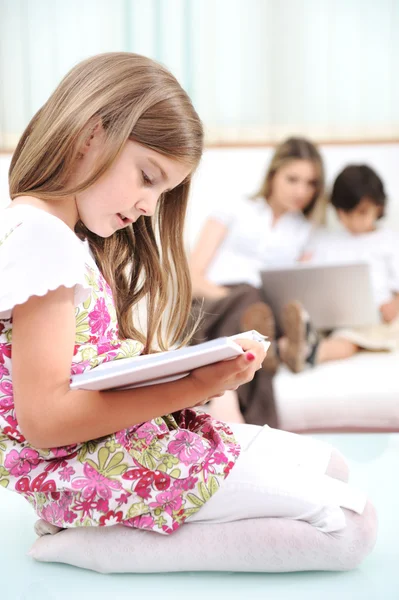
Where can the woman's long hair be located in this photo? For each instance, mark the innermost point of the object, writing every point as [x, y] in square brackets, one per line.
[296, 149]
[136, 99]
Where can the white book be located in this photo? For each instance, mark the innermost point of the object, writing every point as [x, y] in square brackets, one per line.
[151, 369]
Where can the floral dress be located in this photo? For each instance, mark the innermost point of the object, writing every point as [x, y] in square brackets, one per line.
[152, 475]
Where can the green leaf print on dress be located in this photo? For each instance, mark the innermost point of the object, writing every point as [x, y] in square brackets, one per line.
[109, 465]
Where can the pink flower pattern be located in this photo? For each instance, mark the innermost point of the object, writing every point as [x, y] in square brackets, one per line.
[146, 432]
[21, 463]
[5, 352]
[66, 473]
[95, 484]
[3, 371]
[187, 447]
[54, 514]
[170, 501]
[99, 318]
[141, 522]
[99, 483]
[6, 396]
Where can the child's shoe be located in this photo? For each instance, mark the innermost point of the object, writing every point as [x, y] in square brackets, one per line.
[298, 347]
[259, 316]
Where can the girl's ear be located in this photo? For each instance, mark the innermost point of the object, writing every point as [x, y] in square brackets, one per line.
[94, 136]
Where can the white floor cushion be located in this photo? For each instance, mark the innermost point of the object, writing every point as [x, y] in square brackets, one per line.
[251, 545]
[360, 393]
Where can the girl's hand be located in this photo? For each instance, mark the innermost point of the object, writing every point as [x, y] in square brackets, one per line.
[390, 310]
[214, 380]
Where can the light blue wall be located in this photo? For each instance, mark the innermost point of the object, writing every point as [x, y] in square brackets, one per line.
[256, 69]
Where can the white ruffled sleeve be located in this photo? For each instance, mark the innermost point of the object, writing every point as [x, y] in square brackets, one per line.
[38, 253]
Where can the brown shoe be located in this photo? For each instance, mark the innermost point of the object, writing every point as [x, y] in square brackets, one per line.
[299, 345]
[259, 316]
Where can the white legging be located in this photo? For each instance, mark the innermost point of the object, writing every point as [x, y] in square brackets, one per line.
[280, 474]
[250, 544]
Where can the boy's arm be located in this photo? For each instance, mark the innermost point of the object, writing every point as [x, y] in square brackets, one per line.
[390, 310]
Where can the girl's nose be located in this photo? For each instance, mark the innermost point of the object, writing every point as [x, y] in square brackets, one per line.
[147, 204]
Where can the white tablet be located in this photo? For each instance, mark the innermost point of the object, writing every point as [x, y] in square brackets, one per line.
[151, 369]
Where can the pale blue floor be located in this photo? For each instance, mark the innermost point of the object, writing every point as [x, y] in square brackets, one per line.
[374, 462]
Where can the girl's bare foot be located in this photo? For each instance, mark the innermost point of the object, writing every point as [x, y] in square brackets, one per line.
[42, 527]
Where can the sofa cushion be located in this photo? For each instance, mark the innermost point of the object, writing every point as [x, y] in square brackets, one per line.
[358, 394]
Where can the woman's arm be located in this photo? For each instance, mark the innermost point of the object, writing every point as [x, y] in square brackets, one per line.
[51, 415]
[208, 243]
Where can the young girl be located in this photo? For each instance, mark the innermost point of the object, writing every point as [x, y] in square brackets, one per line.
[108, 159]
[359, 199]
[236, 243]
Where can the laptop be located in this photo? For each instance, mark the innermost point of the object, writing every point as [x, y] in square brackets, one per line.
[335, 296]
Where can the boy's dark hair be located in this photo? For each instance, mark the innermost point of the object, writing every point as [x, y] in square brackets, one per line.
[353, 184]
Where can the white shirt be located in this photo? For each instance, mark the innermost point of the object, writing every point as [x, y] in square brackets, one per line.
[379, 248]
[253, 243]
[38, 253]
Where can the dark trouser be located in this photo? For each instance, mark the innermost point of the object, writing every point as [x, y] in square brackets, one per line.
[223, 318]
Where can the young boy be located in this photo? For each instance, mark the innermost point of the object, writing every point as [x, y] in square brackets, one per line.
[359, 199]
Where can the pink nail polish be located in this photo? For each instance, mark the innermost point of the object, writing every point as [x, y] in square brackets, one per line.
[250, 356]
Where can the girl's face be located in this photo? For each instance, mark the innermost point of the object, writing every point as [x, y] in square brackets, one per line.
[293, 186]
[362, 219]
[129, 189]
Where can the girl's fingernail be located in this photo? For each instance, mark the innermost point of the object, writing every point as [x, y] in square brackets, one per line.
[250, 356]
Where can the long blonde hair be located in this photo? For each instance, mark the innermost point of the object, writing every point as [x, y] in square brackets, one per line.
[138, 99]
[295, 149]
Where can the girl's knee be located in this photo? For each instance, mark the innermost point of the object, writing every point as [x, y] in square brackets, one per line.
[368, 527]
[359, 536]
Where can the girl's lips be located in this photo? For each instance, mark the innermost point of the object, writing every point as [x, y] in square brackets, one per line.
[124, 220]
[120, 221]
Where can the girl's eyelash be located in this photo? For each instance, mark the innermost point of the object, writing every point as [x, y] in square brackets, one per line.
[146, 179]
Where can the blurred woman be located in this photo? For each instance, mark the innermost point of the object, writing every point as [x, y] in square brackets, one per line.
[241, 239]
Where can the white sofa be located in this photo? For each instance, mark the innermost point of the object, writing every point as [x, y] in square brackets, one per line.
[356, 394]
